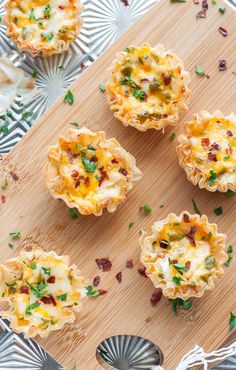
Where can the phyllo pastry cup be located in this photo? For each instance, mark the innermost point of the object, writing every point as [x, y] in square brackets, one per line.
[90, 172]
[43, 26]
[183, 255]
[207, 151]
[43, 292]
[149, 87]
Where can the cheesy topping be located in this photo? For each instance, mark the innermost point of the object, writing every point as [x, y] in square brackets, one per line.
[90, 174]
[149, 84]
[182, 254]
[43, 291]
[43, 25]
[211, 149]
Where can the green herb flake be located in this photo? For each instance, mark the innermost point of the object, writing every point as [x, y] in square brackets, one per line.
[34, 73]
[10, 245]
[15, 235]
[62, 297]
[4, 129]
[214, 2]
[195, 208]
[178, 302]
[4, 184]
[102, 87]
[209, 235]
[32, 15]
[131, 225]
[229, 260]
[222, 10]
[193, 283]
[180, 268]
[75, 123]
[229, 193]
[200, 71]
[226, 158]
[139, 94]
[146, 209]
[47, 35]
[46, 270]
[172, 136]
[31, 307]
[213, 177]
[187, 305]
[232, 321]
[177, 280]
[33, 266]
[89, 166]
[26, 114]
[91, 292]
[47, 11]
[218, 211]
[73, 213]
[69, 98]
[230, 249]
[127, 50]
[230, 257]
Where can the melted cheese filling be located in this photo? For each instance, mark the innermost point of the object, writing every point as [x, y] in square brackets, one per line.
[43, 23]
[30, 305]
[175, 255]
[148, 84]
[213, 148]
[106, 181]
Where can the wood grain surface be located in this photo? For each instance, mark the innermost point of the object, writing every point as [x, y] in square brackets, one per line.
[46, 222]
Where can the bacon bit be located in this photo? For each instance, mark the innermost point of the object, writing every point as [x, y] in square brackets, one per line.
[71, 155]
[215, 147]
[48, 300]
[188, 264]
[125, 2]
[24, 289]
[222, 65]
[102, 291]
[166, 79]
[114, 160]
[156, 297]
[193, 230]
[87, 181]
[160, 255]
[62, 7]
[191, 239]
[145, 80]
[212, 157]
[78, 181]
[129, 264]
[186, 218]
[201, 13]
[123, 171]
[229, 150]
[75, 173]
[119, 277]
[14, 176]
[229, 133]
[93, 159]
[103, 176]
[174, 261]
[101, 168]
[205, 142]
[223, 31]
[205, 4]
[3, 199]
[82, 65]
[96, 281]
[104, 264]
[142, 271]
[164, 245]
[51, 280]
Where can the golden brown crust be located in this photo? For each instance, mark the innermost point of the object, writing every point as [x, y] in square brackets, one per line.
[216, 156]
[93, 198]
[48, 48]
[158, 114]
[16, 273]
[159, 254]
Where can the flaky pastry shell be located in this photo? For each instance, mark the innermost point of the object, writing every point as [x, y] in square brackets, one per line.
[43, 27]
[149, 87]
[207, 151]
[42, 290]
[183, 255]
[101, 182]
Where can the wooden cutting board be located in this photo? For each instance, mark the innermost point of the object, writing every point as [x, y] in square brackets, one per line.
[44, 221]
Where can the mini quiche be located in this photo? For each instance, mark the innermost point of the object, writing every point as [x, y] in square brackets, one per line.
[42, 290]
[207, 151]
[183, 255]
[90, 172]
[149, 87]
[43, 26]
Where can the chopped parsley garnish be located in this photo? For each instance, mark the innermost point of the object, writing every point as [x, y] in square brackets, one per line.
[232, 321]
[4, 184]
[131, 225]
[47, 11]
[37, 288]
[91, 292]
[4, 129]
[47, 35]
[69, 97]
[209, 235]
[200, 71]
[102, 87]
[46, 270]
[222, 10]
[177, 280]
[75, 123]
[62, 297]
[229, 193]
[33, 266]
[146, 209]
[139, 94]
[213, 177]
[195, 208]
[26, 114]
[230, 257]
[226, 158]
[127, 50]
[174, 237]
[180, 302]
[218, 211]
[73, 213]
[34, 73]
[31, 307]
[32, 15]
[172, 136]
[10, 245]
[230, 249]
[15, 235]
[126, 80]
[88, 165]
[180, 268]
